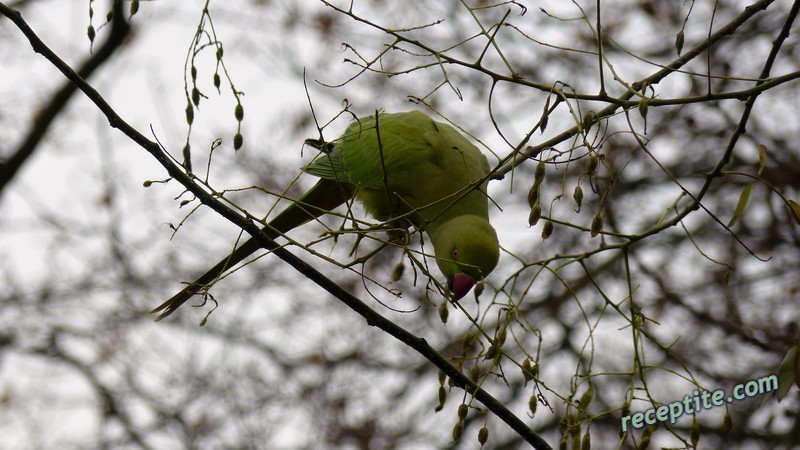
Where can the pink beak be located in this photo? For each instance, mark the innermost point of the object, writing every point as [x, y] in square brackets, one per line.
[460, 284]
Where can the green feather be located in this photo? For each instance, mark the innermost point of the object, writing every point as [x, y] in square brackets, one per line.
[405, 168]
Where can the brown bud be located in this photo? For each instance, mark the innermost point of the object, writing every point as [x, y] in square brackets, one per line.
[189, 113]
[194, 72]
[238, 112]
[578, 196]
[217, 81]
[196, 96]
[535, 215]
[533, 195]
[397, 272]
[147, 183]
[219, 51]
[238, 140]
[597, 225]
[134, 6]
[491, 352]
[463, 409]
[679, 42]
[483, 435]
[443, 311]
[547, 230]
[591, 165]
[90, 32]
[539, 175]
[457, 430]
[532, 403]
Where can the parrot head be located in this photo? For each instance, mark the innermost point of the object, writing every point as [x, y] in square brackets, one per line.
[467, 250]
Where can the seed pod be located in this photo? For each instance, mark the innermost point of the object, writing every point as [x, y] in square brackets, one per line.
[194, 72]
[586, 442]
[238, 140]
[586, 399]
[578, 196]
[443, 311]
[491, 352]
[532, 403]
[238, 112]
[533, 195]
[597, 225]
[195, 96]
[483, 435]
[442, 377]
[474, 373]
[535, 215]
[442, 395]
[189, 113]
[500, 338]
[527, 372]
[397, 273]
[184, 203]
[539, 175]
[134, 6]
[217, 81]
[90, 33]
[187, 157]
[219, 51]
[679, 42]
[591, 165]
[457, 430]
[547, 230]
[463, 409]
[147, 183]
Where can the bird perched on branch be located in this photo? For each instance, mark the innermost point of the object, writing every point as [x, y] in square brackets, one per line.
[403, 167]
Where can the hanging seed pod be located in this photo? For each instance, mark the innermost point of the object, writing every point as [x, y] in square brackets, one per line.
[586, 442]
[444, 313]
[187, 157]
[679, 42]
[90, 33]
[483, 435]
[457, 430]
[547, 230]
[196, 96]
[194, 72]
[533, 195]
[238, 140]
[189, 113]
[539, 174]
[578, 196]
[217, 81]
[134, 7]
[597, 225]
[397, 272]
[591, 165]
[238, 112]
[535, 215]
[147, 183]
[463, 409]
[532, 403]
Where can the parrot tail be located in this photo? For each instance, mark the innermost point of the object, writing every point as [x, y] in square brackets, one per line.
[324, 197]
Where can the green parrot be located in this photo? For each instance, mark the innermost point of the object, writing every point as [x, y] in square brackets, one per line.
[405, 168]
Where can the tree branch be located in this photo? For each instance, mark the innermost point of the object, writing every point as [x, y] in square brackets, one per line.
[372, 317]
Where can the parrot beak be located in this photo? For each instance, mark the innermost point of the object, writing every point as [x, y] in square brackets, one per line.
[459, 285]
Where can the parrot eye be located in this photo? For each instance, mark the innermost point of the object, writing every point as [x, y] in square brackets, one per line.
[454, 253]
